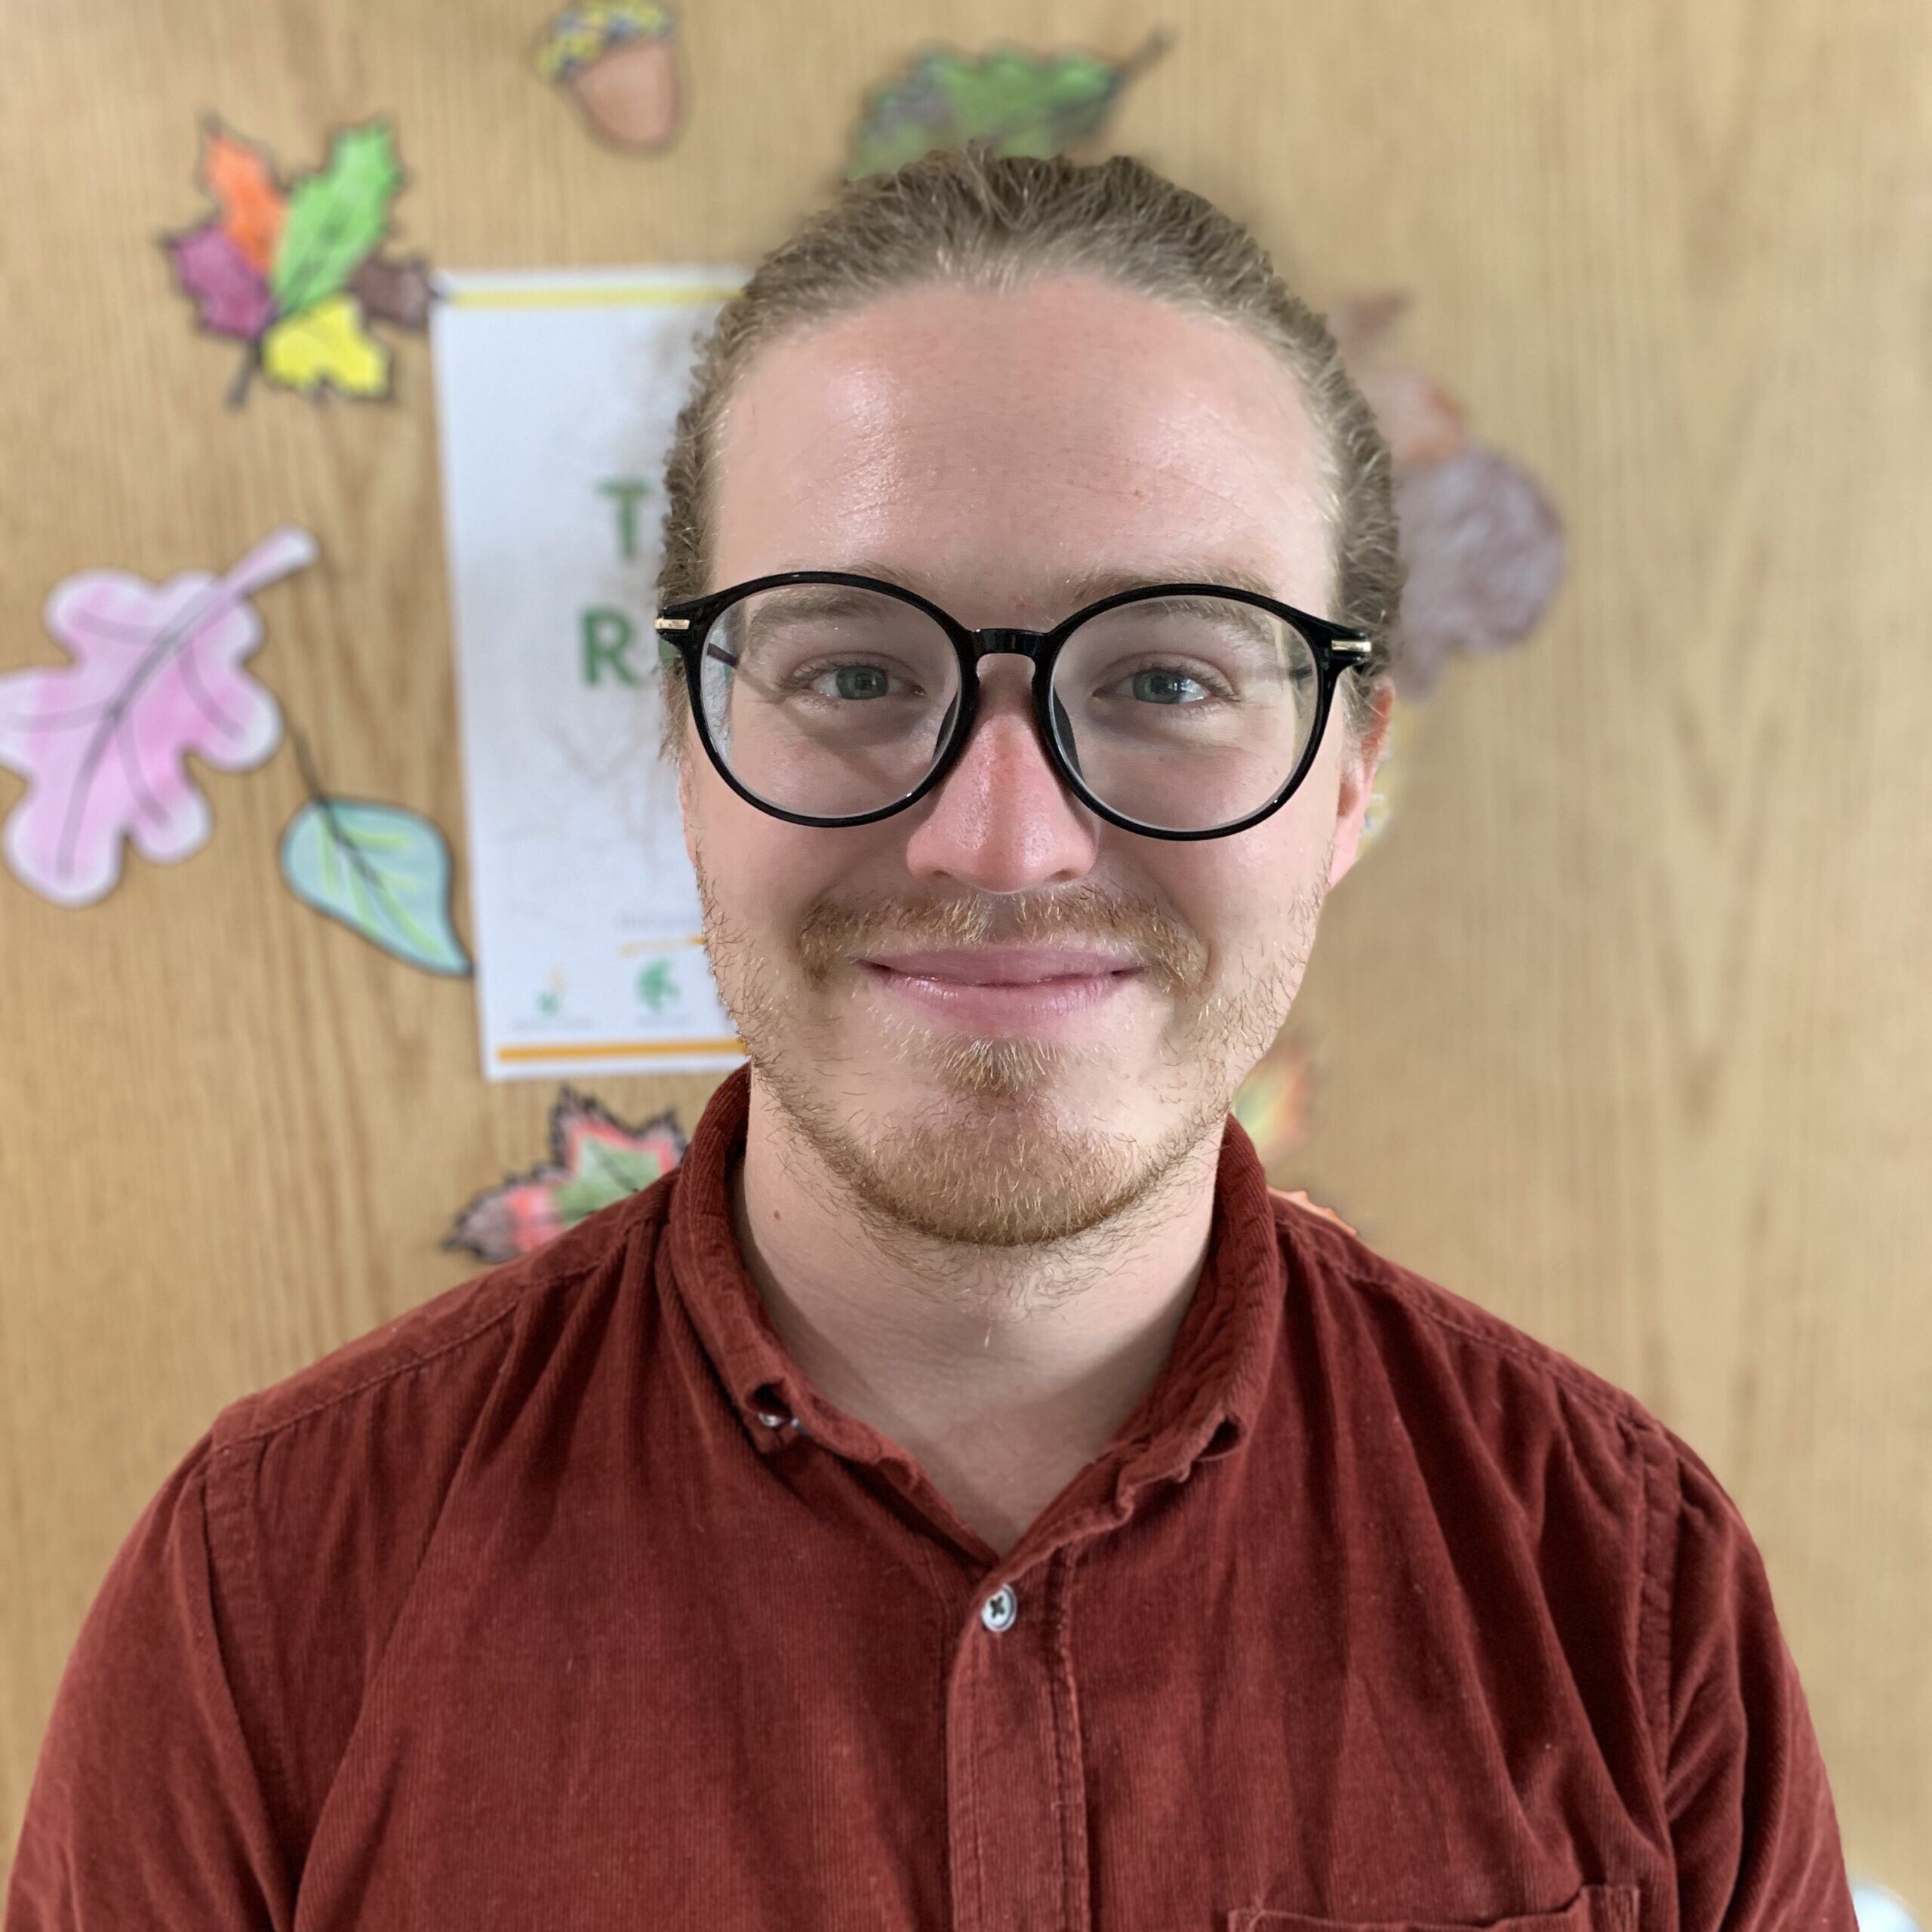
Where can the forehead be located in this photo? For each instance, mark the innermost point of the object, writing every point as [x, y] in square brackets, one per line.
[997, 442]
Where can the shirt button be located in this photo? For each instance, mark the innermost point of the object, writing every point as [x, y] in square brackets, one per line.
[1000, 1608]
[771, 1421]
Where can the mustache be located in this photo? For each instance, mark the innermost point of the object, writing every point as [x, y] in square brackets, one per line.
[832, 935]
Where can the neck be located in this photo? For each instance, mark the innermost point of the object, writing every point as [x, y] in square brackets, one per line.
[1026, 1358]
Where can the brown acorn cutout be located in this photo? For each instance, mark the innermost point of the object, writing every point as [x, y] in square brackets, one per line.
[620, 59]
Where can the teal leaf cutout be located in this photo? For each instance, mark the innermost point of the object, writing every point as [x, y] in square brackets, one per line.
[382, 871]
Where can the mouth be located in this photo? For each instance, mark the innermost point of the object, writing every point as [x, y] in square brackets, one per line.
[1006, 965]
[1003, 988]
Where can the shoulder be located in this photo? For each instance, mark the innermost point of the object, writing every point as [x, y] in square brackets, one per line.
[457, 1338]
[325, 1491]
[1506, 1379]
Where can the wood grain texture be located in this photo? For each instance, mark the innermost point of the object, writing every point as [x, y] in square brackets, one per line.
[1623, 1028]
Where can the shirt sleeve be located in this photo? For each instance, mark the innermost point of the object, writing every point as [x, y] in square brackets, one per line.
[146, 1808]
[1751, 1819]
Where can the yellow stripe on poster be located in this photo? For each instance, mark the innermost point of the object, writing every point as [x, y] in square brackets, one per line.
[617, 1050]
[631, 947]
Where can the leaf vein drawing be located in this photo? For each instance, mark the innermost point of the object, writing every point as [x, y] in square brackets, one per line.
[164, 647]
[205, 702]
[359, 881]
[596, 1154]
[138, 782]
[364, 880]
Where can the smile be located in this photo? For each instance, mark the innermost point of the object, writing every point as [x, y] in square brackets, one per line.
[1001, 1005]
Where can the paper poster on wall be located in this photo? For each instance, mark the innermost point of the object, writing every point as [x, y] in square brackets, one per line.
[555, 396]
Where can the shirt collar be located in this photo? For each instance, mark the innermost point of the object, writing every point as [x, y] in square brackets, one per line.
[1202, 1406]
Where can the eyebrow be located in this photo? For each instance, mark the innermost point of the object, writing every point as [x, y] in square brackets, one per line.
[1077, 588]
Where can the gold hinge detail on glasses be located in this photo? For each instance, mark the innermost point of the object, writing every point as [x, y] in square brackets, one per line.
[671, 623]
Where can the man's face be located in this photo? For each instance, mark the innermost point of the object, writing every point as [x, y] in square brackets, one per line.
[983, 446]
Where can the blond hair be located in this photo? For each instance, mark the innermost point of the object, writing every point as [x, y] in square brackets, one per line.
[971, 218]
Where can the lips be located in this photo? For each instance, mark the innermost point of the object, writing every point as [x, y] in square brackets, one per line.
[1039, 991]
[1005, 965]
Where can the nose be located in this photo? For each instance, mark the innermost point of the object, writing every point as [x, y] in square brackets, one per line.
[1001, 819]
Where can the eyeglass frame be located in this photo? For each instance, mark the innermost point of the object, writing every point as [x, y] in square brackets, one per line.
[1337, 649]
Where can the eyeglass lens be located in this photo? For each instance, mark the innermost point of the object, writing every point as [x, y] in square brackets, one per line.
[1183, 713]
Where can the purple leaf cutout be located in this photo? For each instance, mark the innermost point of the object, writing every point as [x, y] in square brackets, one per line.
[1485, 548]
[231, 298]
[102, 742]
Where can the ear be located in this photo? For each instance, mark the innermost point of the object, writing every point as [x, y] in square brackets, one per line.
[1358, 785]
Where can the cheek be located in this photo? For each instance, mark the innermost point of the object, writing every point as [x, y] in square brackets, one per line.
[1248, 897]
[760, 874]
[1222, 888]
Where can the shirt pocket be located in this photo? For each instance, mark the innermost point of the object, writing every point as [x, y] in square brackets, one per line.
[1595, 1908]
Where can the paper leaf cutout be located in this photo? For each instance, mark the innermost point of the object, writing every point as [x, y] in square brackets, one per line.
[299, 277]
[229, 296]
[242, 178]
[1485, 551]
[594, 1159]
[1271, 1106]
[1016, 101]
[1422, 422]
[102, 742]
[1482, 538]
[381, 872]
[1271, 1103]
[326, 344]
[1300, 1196]
[336, 216]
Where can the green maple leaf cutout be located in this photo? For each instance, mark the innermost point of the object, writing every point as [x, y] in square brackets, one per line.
[336, 216]
[1015, 101]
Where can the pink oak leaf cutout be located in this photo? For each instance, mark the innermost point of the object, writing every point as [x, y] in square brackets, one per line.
[102, 742]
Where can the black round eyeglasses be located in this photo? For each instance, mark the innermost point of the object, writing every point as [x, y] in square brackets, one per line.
[1174, 710]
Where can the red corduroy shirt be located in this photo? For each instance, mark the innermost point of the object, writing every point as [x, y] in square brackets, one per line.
[564, 1601]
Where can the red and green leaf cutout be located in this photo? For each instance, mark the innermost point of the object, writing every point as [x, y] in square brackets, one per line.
[594, 1159]
[296, 272]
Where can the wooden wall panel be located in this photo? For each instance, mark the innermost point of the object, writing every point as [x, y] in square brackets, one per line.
[1622, 1028]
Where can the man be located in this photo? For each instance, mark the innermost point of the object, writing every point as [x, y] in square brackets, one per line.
[964, 1493]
